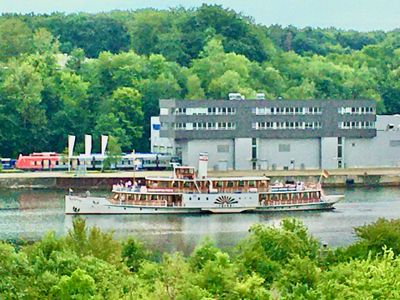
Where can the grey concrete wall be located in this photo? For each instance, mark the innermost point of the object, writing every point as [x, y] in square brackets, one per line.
[243, 154]
[302, 151]
[329, 153]
[375, 152]
[185, 154]
[215, 158]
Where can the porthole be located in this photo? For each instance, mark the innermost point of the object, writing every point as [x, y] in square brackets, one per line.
[198, 198]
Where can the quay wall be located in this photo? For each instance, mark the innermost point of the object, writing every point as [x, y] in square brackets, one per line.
[337, 178]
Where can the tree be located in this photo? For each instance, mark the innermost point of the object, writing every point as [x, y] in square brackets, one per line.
[44, 42]
[122, 117]
[195, 91]
[21, 94]
[391, 92]
[79, 285]
[73, 114]
[15, 38]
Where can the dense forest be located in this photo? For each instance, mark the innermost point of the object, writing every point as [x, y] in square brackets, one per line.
[282, 262]
[104, 73]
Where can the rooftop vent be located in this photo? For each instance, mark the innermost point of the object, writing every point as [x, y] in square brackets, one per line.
[260, 96]
[235, 96]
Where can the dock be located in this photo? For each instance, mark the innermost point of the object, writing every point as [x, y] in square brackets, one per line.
[99, 180]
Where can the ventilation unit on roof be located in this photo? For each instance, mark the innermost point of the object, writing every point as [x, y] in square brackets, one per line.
[260, 96]
[235, 96]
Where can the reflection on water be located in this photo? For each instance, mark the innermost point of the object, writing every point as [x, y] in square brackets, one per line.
[28, 214]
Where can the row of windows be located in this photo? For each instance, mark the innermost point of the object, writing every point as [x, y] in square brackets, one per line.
[355, 110]
[206, 125]
[357, 125]
[286, 110]
[205, 111]
[286, 125]
[269, 125]
[266, 110]
[255, 110]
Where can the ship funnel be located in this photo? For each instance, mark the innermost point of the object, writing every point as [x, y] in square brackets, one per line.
[203, 165]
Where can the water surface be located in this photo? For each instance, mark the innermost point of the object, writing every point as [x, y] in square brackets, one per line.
[28, 214]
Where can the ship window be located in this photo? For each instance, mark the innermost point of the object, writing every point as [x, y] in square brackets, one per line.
[198, 198]
[241, 183]
[190, 198]
[252, 183]
[219, 183]
[207, 198]
[230, 184]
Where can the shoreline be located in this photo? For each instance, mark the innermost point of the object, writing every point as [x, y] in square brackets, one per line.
[96, 180]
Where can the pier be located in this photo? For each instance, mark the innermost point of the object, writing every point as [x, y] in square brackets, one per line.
[98, 180]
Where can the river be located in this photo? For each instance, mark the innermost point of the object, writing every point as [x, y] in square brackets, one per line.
[28, 214]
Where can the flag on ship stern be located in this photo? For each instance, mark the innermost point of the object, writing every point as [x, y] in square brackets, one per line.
[325, 174]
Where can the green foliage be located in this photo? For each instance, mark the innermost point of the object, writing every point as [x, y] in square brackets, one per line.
[105, 73]
[77, 286]
[95, 243]
[15, 38]
[374, 238]
[133, 253]
[282, 262]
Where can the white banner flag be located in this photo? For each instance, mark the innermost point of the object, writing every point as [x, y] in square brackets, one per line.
[71, 144]
[88, 144]
[104, 141]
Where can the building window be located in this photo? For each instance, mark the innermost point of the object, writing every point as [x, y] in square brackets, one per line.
[284, 147]
[254, 152]
[180, 111]
[394, 143]
[180, 126]
[211, 110]
[356, 110]
[164, 111]
[223, 148]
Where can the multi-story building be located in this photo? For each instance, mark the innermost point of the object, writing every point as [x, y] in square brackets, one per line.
[277, 134]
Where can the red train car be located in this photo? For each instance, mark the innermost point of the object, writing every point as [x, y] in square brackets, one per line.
[38, 161]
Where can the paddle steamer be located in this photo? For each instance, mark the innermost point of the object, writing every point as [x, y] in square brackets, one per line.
[189, 191]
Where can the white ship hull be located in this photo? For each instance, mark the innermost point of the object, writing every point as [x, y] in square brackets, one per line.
[80, 205]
